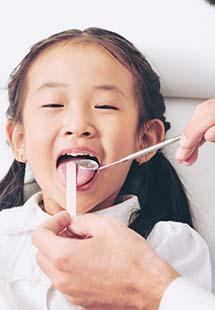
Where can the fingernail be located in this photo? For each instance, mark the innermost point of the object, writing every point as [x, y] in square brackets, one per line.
[183, 140]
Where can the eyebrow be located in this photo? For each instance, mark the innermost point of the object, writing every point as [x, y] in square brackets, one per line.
[52, 85]
[106, 87]
[110, 87]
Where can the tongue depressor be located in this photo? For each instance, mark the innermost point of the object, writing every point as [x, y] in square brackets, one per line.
[71, 189]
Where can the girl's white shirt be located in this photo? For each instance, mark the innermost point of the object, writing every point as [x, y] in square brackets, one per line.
[23, 286]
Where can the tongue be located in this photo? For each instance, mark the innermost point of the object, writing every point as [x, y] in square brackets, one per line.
[83, 175]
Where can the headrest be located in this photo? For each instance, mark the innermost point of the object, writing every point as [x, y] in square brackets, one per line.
[176, 36]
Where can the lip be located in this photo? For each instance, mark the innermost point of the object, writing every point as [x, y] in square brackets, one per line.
[78, 150]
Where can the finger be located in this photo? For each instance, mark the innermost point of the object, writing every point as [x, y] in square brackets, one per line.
[57, 222]
[202, 142]
[183, 154]
[45, 264]
[210, 134]
[46, 241]
[66, 233]
[189, 161]
[46, 238]
[51, 271]
[88, 225]
[203, 119]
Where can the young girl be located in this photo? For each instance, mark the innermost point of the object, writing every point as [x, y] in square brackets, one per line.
[89, 94]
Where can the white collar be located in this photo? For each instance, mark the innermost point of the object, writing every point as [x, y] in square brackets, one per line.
[123, 210]
[30, 215]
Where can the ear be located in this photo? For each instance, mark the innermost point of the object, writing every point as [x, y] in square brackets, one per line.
[15, 137]
[152, 133]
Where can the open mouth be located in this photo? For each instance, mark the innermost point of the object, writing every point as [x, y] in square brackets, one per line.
[84, 176]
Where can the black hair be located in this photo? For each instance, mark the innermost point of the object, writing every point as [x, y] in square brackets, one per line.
[211, 1]
[156, 183]
[160, 192]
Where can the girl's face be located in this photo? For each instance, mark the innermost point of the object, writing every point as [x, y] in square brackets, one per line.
[79, 99]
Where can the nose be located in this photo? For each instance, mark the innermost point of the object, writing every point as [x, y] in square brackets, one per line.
[79, 125]
[81, 131]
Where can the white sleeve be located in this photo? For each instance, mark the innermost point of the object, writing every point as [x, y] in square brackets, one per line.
[181, 294]
[7, 301]
[183, 249]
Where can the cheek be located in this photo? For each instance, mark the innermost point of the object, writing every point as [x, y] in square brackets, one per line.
[121, 139]
[38, 140]
[38, 148]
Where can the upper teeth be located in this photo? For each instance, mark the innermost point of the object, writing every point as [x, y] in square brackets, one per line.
[79, 154]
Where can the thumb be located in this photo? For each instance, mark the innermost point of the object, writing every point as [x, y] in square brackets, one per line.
[202, 120]
[57, 222]
[88, 225]
[210, 134]
[45, 235]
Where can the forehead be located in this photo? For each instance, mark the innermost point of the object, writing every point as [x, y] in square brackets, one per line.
[79, 64]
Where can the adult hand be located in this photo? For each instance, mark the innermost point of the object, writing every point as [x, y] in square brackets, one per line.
[201, 128]
[113, 269]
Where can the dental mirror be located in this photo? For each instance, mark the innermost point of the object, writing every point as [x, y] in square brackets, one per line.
[90, 164]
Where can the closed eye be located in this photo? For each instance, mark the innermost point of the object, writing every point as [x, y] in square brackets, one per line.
[53, 105]
[106, 107]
